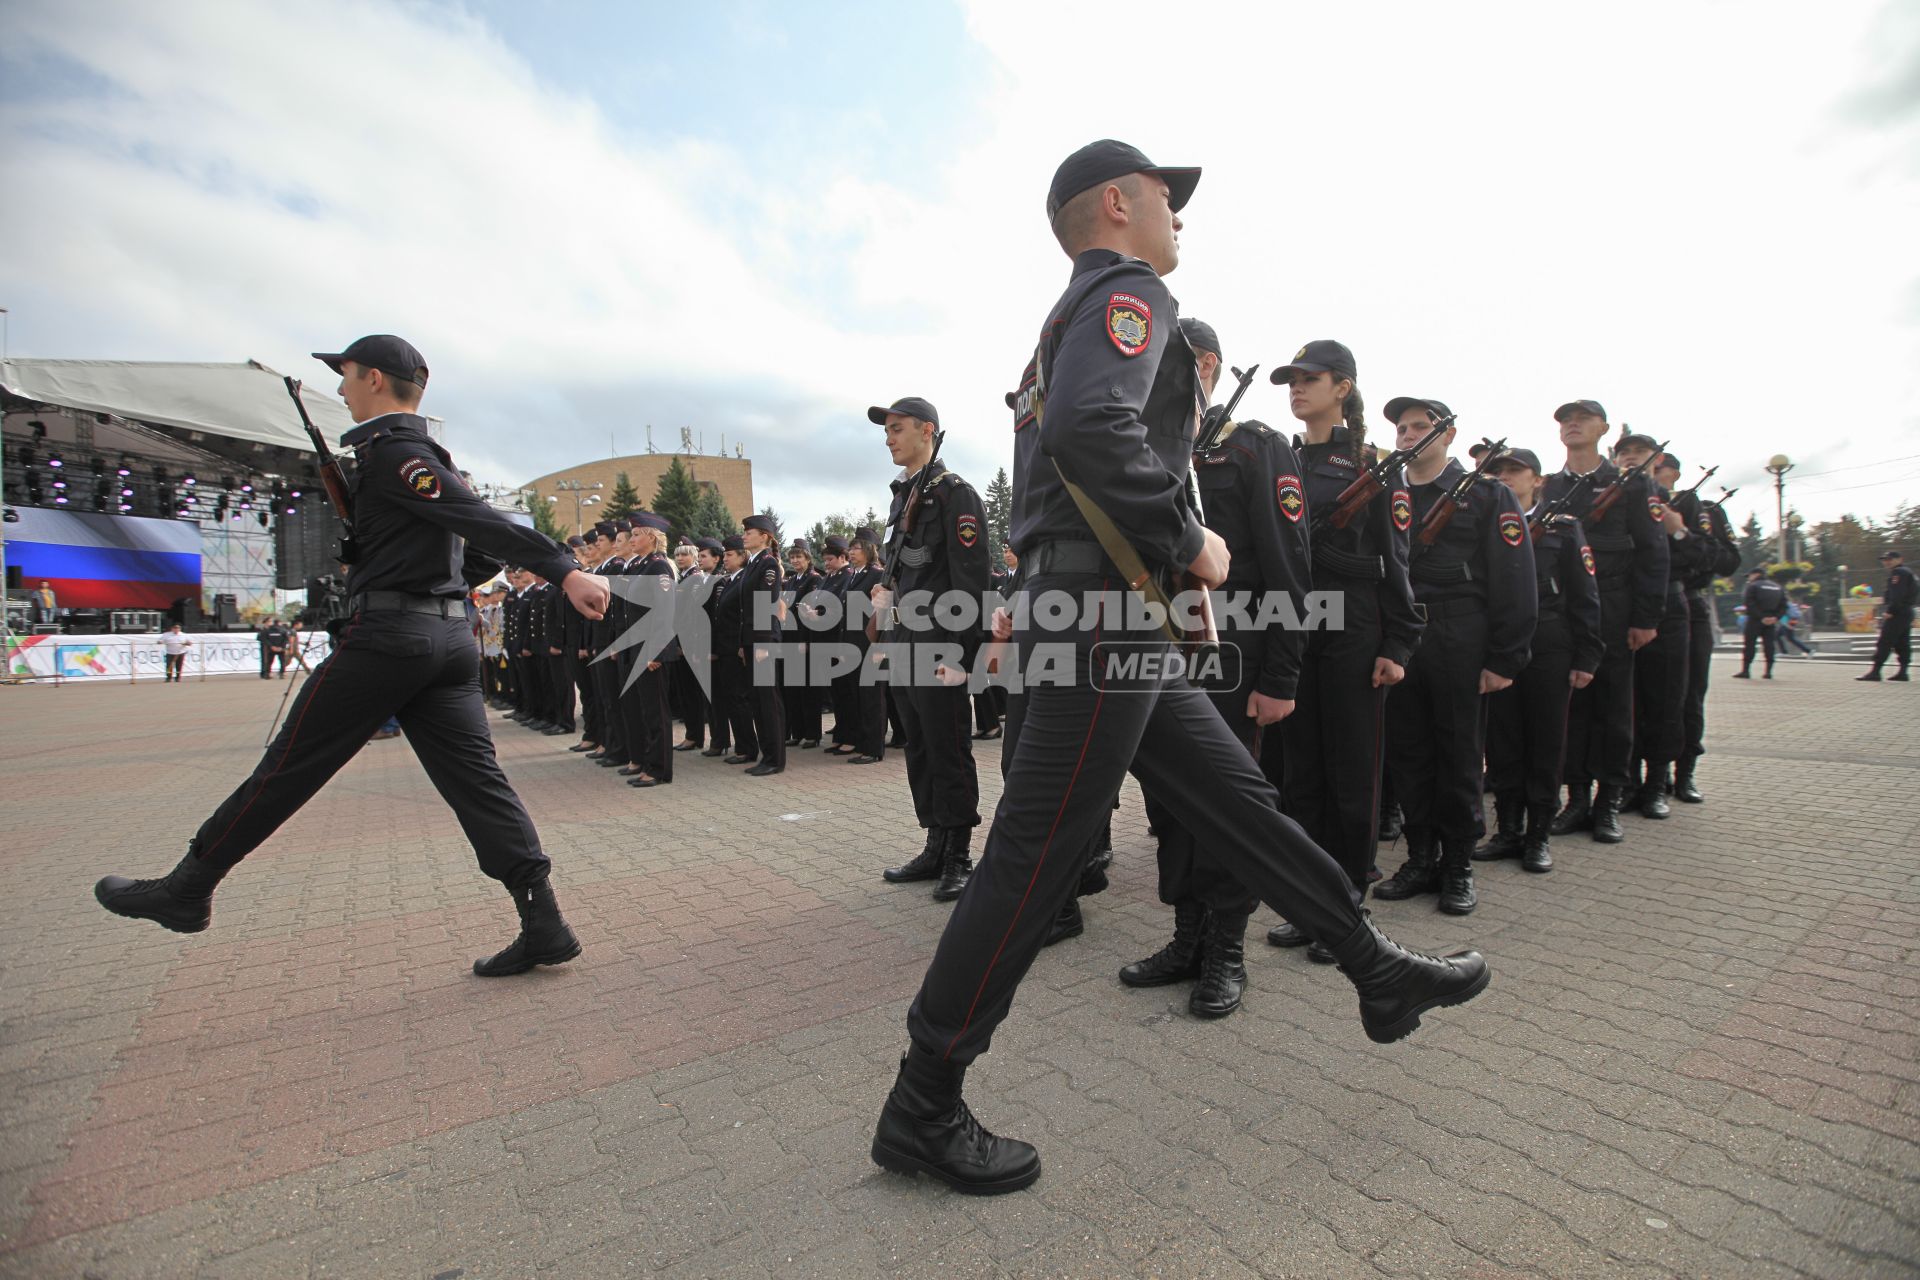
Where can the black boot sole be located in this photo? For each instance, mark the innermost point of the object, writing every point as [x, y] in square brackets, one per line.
[894, 877]
[900, 1162]
[1158, 980]
[1409, 1022]
[551, 958]
[1211, 1013]
[197, 924]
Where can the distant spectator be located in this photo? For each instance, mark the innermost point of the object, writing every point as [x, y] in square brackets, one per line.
[273, 645]
[43, 602]
[1789, 628]
[1766, 603]
[175, 644]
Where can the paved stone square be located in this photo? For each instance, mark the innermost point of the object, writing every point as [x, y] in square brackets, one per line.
[1700, 1055]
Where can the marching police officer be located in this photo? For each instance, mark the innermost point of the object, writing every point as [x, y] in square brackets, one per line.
[1896, 624]
[1471, 564]
[1248, 480]
[938, 544]
[1629, 548]
[1100, 446]
[1527, 722]
[406, 651]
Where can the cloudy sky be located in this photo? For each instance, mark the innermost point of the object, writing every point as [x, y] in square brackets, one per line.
[755, 219]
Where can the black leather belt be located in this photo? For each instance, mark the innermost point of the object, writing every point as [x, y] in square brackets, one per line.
[1067, 556]
[405, 602]
[1456, 606]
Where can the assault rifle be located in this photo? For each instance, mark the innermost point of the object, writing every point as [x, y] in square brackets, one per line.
[1216, 422]
[332, 477]
[1604, 501]
[904, 528]
[1695, 486]
[1355, 497]
[1440, 514]
[1542, 519]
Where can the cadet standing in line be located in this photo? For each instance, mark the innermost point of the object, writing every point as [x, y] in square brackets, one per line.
[1720, 558]
[1896, 622]
[1527, 722]
[687, 668]
[605, 670]
[796, 685]
[580, 651]
[653, 754]
[1474, 581]
[563, 631]
[1109, 406]
[406, 652]
[1332, 743]
[1630, 559]
[1660, 670]
[843, 697]
[943, 555]
[1251, 495]
[760, 603]
[730, 670]
[867, 689]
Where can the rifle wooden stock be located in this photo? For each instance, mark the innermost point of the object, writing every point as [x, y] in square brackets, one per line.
[1354, 498]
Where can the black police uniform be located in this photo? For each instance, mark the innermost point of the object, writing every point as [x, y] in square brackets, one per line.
[843, 696]
[865, 689]
[604, 670]
[990, 703]
[554, 654]
[1475, 583]
[649, 712]
[1720, 557]
[1764, 598]
[1527, 721]
[945, 552]
[1332, 747]
[1110, 400]
[722, 625]
[1660, 675]
[404, 651]
[578, 640]
[799, 695]
[1630, 562]
[760, 633]
[731, 673]
[1896, 624]
[694, 709]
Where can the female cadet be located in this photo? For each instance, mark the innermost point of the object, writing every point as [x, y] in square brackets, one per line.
[1527, 723]
[869, 695]
[1332, 739]
[796, 689]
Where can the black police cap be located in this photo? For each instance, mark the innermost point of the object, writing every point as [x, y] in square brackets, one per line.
[865, 534]
[1525, 457]
[1890, 554]
[1669, 462]
[1400, 404]
[395, 357]
[734, 542]
[709, 544]
[648, 520]
[907, 406]
[1322, 355]
[763, 523]
[835, 545]
[1572, 407]
[1102, 162]
[1200, 336]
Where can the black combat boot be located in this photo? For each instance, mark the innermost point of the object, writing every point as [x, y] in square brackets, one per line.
[1390, 823]
[1396, 985]
[544, 936]
[1651, 799]
[1093, 878]
[925, 865]
[1223, 966]
[1606, 817]
[1578, 815]
[1457, 897]
[1537, 853]
[926, 1127]
[1420, 873]
[1067, 923]
[1509, 813]
[181, 900]
[1684, 789]
[1285, 934]
[1179, 960]
[955, 864]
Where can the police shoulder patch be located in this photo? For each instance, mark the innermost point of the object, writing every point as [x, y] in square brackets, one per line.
[421, 479]
[1512, 528]
[1657, 509]
[1402, 510]
[1293, 502]
[967, 530]
[1129, 323]
[1586, 558]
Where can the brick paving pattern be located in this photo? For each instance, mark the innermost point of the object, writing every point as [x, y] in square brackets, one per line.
[1700, 1055]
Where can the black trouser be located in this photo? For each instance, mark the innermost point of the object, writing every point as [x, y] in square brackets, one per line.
[636, 733]
[1332, 739]
[1660, 688]
[176, 665]
[989, 706]
[1896, 639]
[844, 694]
[693, 702]
[606, 687]
[869, 725]
[1760, 633]
[1075, 745]
[940, 770]
[1600, 718]
[896, 723]
[266, 662]
[426, 671]
[655, 753]
[769, 715]
[799, 700]
[1527, 721]
[1434, 733]
[720, 704]
[1693, 719]
[731, 674]
[560, 680]
[1185, 875]
[581, 677]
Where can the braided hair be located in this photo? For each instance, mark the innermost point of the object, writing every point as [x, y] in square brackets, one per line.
[1354, 411]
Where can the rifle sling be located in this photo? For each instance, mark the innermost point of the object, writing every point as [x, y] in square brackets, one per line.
[1120, 551]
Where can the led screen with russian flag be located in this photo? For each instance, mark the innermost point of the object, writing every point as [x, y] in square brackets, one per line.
[105, 561]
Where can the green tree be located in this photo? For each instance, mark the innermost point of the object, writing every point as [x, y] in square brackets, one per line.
[1754, 551]
[678, 499]
[779, 527]
[624, 501]
[713, 520]
[840, 522]
[998, 500]
[547, 521]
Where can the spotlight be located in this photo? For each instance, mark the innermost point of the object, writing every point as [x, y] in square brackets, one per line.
[28, 456]
[190, 479]
[246, 506]
[53, 460]
[12, 516]
[226, 482]
[125, 507]
[32, 479]
[125, 491]
[295, 494]
[262, 518]
[59, 484]
[39, 429]
[290, 511]
[126, 465]
[98, 463]
[159, 475]
[247, 487]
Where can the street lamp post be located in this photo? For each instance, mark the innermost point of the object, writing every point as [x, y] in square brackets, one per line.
[581, 498]
[1777, 467]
